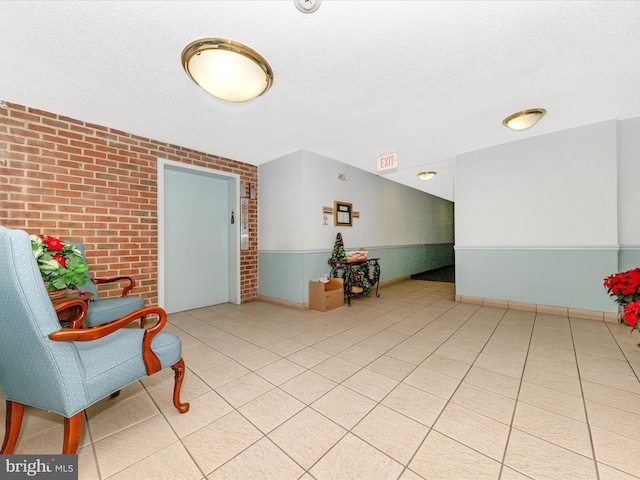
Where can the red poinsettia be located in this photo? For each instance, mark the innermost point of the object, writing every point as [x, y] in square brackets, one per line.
[625, 286]
[54, 244]
[60, 259]
[631, 314]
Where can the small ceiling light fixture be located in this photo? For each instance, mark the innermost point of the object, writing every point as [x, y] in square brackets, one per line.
[343, 177]
[307, 6]
[227, 69]
[525, 119]
[426, 175]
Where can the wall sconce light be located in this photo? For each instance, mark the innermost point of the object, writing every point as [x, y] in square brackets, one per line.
[226, 69]
[525, 119]
[426, 175]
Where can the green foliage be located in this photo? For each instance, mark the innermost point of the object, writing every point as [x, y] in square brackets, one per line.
[61, 264]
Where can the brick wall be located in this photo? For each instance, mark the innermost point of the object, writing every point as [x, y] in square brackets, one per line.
[93, 184]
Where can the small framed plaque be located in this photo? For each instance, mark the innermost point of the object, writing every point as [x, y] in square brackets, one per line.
[342, 214]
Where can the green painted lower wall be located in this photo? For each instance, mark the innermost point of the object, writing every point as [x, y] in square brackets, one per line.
[285, 275]
[629, 258]
[559, 277]
[280, 275]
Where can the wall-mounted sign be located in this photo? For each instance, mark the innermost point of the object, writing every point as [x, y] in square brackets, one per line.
[356, 214]
[327, 210]
[387, 163]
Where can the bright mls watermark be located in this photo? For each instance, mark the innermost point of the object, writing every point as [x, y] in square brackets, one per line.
[49, 467]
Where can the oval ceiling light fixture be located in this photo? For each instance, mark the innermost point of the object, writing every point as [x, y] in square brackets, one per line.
[426, 175]
[525, 119]
[227, 69]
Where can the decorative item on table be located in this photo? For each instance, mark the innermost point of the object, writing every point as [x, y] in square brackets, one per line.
[61, 264]
[357, 255]
[338, 254]
[362, 282]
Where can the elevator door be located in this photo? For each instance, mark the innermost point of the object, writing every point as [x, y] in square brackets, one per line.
[196, 209]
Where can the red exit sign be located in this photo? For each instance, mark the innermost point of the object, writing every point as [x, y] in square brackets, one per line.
[387, 162]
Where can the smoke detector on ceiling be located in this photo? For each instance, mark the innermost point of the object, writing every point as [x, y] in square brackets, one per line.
[307, 6]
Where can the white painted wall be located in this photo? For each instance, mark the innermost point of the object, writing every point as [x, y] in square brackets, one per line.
[629, 182]
[537, 219]
[294, 188]
[555, 190]
[281, 208]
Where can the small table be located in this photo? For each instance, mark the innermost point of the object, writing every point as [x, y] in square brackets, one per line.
[355, 274]
[68, 313]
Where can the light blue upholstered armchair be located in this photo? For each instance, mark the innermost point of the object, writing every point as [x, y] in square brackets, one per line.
[66, 370]
[105, 310]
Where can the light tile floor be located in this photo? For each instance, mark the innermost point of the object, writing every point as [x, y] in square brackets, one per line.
[411, 385]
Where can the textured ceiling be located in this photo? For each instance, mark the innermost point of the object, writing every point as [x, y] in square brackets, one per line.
[354, 80]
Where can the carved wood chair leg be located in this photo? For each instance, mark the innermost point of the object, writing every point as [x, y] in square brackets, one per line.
[115, 394]
[72, 432]
[178, 368]
[14, 414]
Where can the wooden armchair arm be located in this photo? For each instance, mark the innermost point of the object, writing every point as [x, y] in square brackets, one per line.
[125, 290]
[78, 320]
[151, 361]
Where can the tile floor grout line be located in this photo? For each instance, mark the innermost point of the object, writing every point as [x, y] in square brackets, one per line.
[263, 435]
[378, 403]
[93, 445]
[180, 440]
[348, 431]
[431, 428]
[584, 402]
[515, 405]
[622, 350]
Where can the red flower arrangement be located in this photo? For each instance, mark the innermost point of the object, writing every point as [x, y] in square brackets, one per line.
[625, 286]
[61, 264]
[632, 314]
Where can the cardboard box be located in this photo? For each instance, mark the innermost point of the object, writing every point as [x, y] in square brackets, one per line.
[326, 296]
